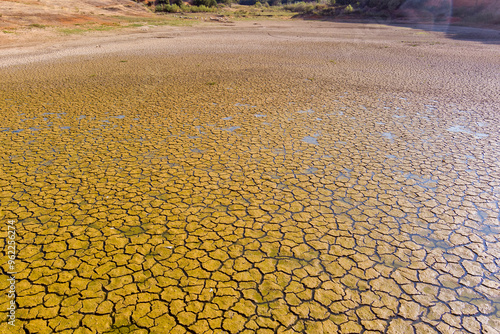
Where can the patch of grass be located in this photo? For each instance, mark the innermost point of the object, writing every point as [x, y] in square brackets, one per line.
[88, 23]
[185, 9]
[8, 31]
[78, 30]
[251, 12]
[142, 20]
[159, 20]
[178, 23]
[321, 9]
[102, 28]
[71, 31]
[211, 83]
[36, 25]
[123, 61]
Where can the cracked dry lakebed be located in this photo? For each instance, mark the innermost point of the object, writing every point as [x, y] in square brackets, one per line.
[276, 177]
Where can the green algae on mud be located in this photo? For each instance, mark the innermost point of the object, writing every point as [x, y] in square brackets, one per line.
[148, 199]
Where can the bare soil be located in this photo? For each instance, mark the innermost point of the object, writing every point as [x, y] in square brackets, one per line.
[21, 13]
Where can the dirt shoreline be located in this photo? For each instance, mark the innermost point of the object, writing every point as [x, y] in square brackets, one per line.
[38, 46]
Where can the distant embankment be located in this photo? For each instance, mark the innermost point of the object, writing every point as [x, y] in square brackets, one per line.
[477, 11]
[21, 13]
[470, 12]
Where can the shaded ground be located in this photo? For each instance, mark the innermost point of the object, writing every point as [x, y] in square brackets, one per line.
[273, 177]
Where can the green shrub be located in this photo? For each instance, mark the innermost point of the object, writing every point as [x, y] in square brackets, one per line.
[184, 9]
[348, 9]
[200, 9]
[300, 7]
[207, 3]
[168, 8]
[36, 25]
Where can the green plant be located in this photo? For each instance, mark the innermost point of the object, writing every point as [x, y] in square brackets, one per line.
[36, 25]
[200, 9]
[168, 8]
[69, 31]
[300, 7]
[348, 9]
[207, 3]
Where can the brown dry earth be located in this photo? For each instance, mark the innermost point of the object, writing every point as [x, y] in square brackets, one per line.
[15, 13]
[29, 22]
[264, 177]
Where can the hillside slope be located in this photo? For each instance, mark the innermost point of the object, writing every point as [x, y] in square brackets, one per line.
[15, 13]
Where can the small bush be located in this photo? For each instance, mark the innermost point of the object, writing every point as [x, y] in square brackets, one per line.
[168, 8]
[300, 7]
[348, 9]
[36, 25]
[201, 9]
[206, 3]
[184, 9]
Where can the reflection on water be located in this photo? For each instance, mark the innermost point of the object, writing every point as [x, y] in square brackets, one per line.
[310, 140]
